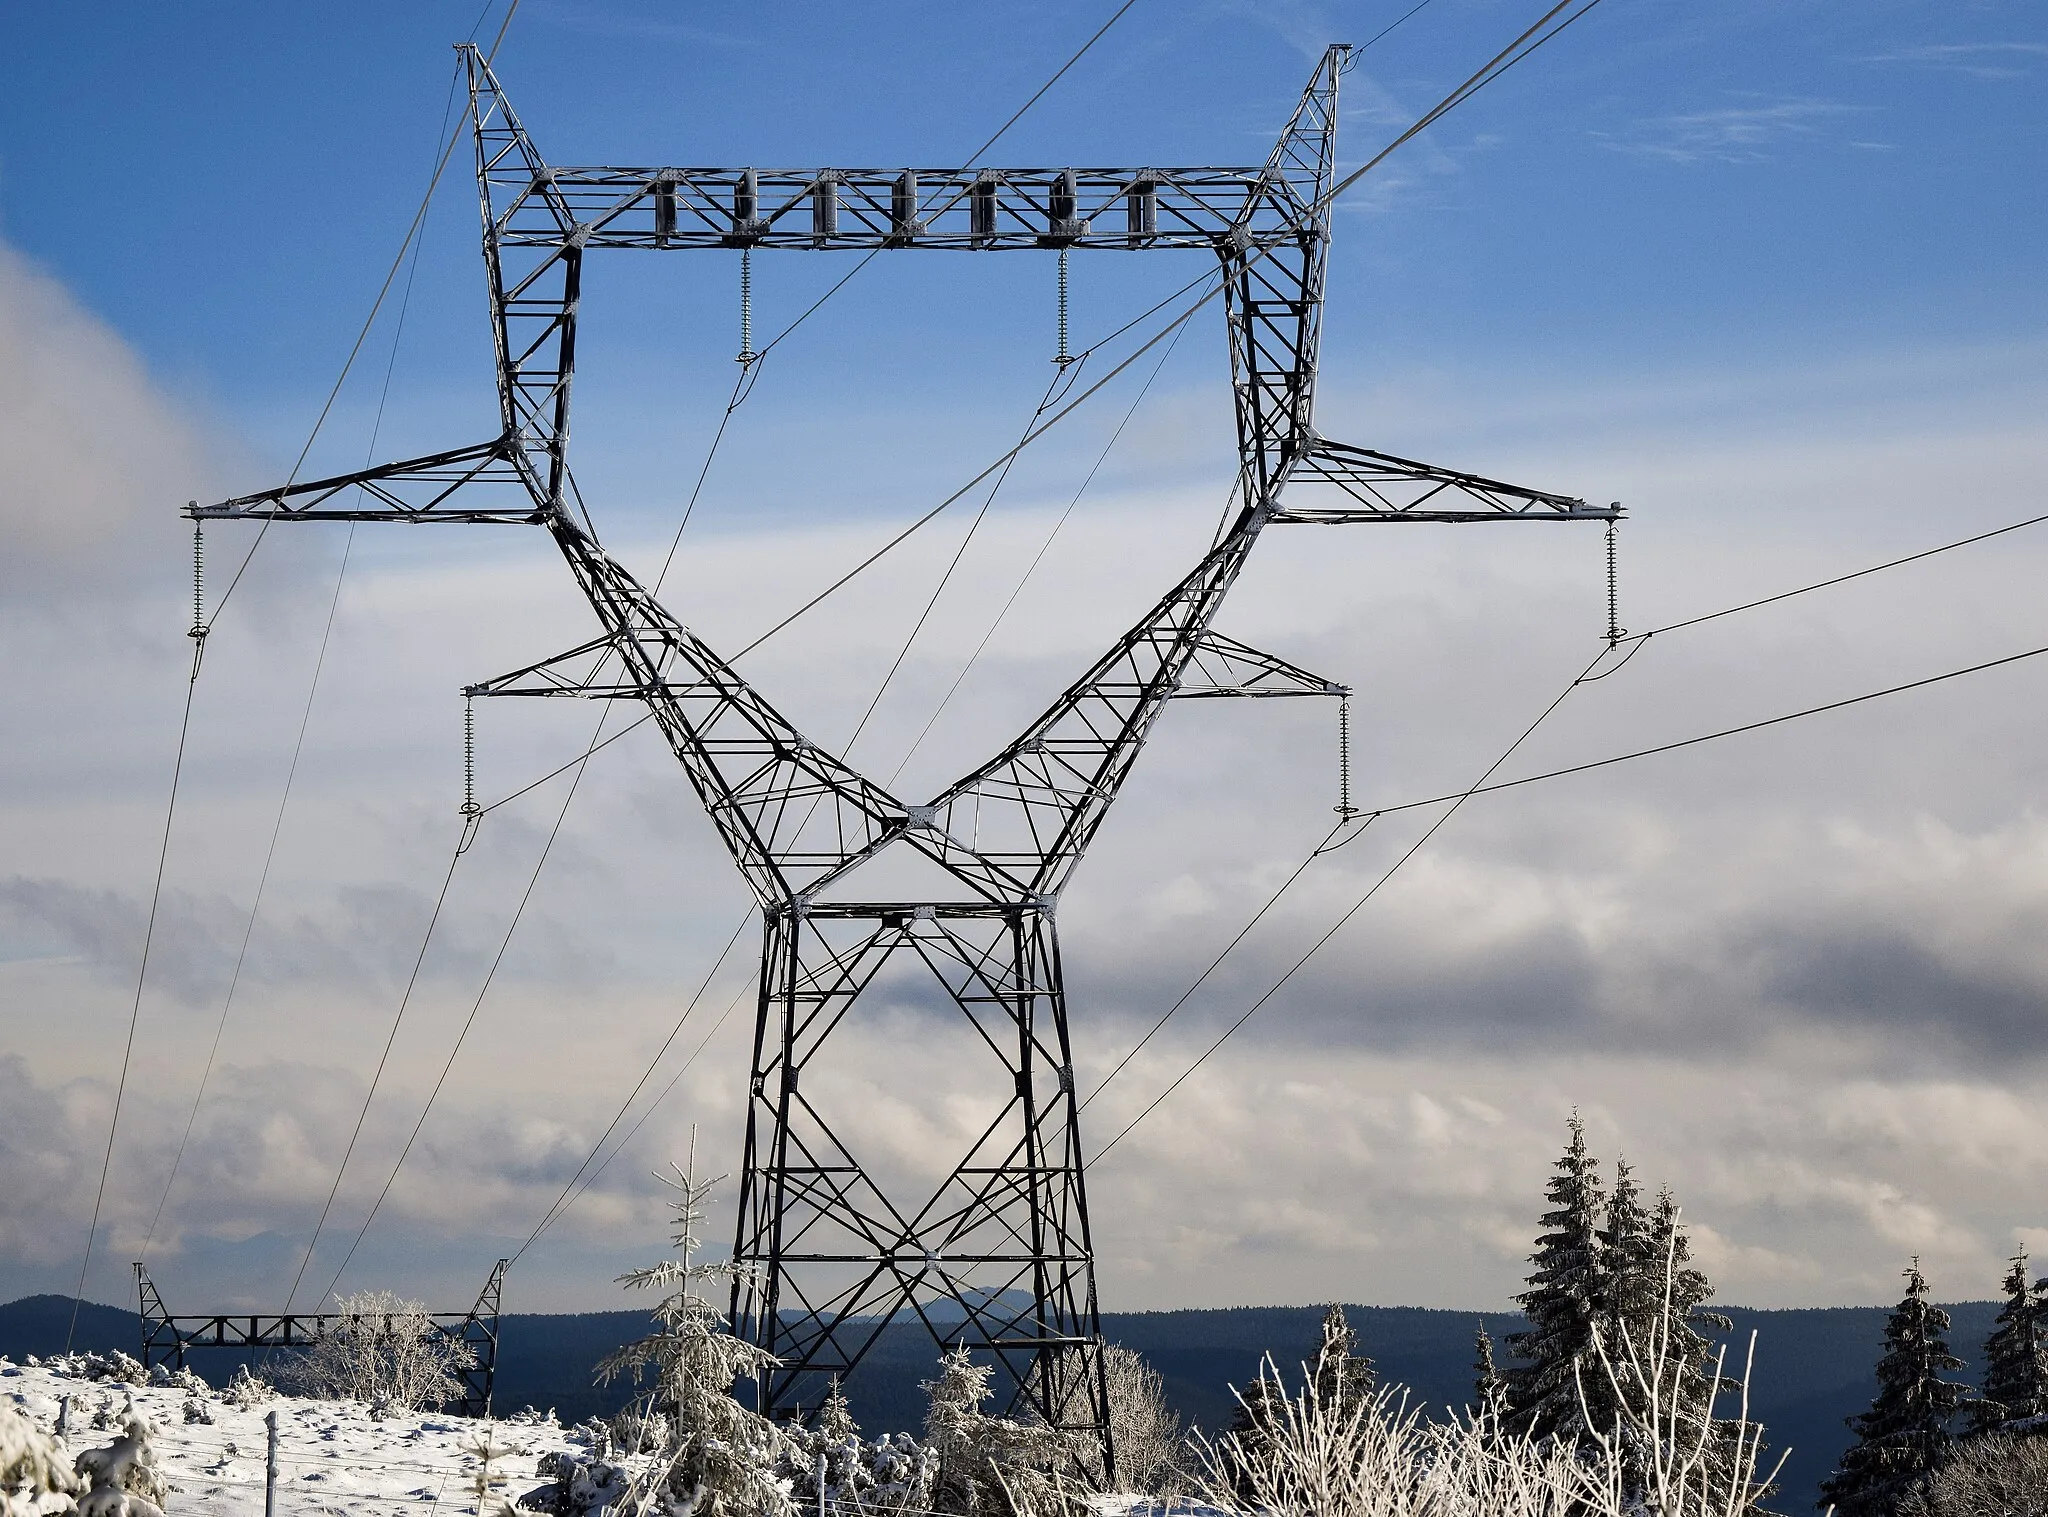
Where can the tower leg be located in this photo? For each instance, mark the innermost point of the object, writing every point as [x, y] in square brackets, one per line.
[999, 1255]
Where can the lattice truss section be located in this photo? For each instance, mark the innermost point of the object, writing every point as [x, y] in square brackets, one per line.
[1002, 1240]
[790, 812]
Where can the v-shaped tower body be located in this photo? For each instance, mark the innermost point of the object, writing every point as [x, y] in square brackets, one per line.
[999, 1253]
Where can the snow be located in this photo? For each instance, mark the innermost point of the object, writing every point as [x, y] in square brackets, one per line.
[335, 1459]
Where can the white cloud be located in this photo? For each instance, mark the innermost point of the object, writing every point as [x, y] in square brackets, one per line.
[1795, 976]
[1731, 134]
[1978, 60]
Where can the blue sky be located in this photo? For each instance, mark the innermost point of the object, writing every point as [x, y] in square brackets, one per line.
[1668, 185]
[1770, 273]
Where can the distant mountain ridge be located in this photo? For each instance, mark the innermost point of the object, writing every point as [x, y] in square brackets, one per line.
[1814, 1366]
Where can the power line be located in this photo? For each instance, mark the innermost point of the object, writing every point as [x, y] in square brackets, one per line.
[499, 958]
[1839, 579]
[1499, 64]
[995, 467]
[1037, 558]
[305, 720]
[1393, 869]
[561, 1202]
[376, 1078]
[135, 1008]
[1709, 737]
[1458, 799]
[972, 158]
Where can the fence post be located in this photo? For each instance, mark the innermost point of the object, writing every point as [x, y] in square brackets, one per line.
[821, 1483]
[270, 1469]
[63, 1416]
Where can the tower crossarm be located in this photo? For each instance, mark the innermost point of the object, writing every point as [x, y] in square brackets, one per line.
[1346, 484]
[491, 476]
[1224, 667]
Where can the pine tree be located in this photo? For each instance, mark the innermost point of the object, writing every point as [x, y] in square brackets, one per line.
[1563, 1303]
[1906, 1430]
[2016, 1355]
[1251, 1433]
[723, 1456]
[1489, 1388]
[988, 1466]
[1632, 1260]
[1343, 1379]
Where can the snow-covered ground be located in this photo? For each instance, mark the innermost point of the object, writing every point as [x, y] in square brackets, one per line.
[334, 1457]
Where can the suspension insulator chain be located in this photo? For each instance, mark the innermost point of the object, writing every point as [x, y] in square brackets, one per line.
[198, 580]
[1063, 357]
[1615, 631]
[1344, 808]
[469, 808]
[746, 353]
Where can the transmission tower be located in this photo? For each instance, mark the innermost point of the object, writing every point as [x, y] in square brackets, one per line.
[1000, 1254]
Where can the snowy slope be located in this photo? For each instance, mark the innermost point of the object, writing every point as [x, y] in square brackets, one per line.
[334, 1457]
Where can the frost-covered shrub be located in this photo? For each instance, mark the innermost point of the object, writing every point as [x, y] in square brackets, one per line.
[35, 1476]
[1144, 1428]
[891, 1474]
[1374, 1456]
[580, 1485]
[1994, 1475]
[184, 1379]
[123, 1476]
[247, 1389]
[113, 1365]
[385, 1352]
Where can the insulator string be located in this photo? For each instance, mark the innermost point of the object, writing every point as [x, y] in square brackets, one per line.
[1615, 631]
[469, 806]
[1063, 357]
[198, 632]
[746, 354]
[1344, 808]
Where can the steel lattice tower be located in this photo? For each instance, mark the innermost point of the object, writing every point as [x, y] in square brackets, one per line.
[1005, 1239]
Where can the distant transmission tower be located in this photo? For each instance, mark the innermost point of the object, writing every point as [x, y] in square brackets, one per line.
[1002, 1247]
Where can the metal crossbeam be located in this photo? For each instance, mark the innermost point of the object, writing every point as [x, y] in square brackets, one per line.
[974, 209]
[1004, 1239]
[167, 1338]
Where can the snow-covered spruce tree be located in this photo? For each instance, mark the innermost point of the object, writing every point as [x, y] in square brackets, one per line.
[990, 1466]
[1906, 1431]
[2016, 1357]
[721, 1457]
[1489, 1389]
[1632, 1287]
[1342, 1376]
[1248, 1440]
[1563, 1303]
[1336, 1385]
[384, 1351]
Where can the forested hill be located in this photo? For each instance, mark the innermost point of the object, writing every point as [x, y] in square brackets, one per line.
[1813, 1368]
